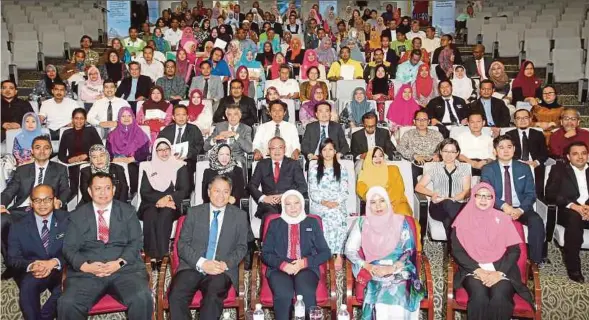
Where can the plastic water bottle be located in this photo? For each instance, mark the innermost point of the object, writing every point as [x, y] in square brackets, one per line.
[258, 313]
[299, 308]
[226, 316]
[343, 314]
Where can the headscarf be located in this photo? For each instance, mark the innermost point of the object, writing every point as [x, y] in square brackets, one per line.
[92, 88]
[374, 175]
[502, 80]
[120, 51]
[244, 82]
[183, 67]
[25, 137]
[325, 52]
[275, 68]
[97, 82]
[249, 64]
[310, 105]
[485, 234]
[194, 110]
[380, 27]
[380, 234]
[380, 85]
[445, 60]
[374, 41]
[49, 82]
[125, 140]
[401, 111]
[100, 148]
[267, 57]
[424, 86]
[190, 55]
[358, 109]
[187, 35]
[461, 87]
[307, 63]
[150, 104]
[160, 42]
[214, 162]
[552, 105]
[162, 173]
[528, 84]
[114, 70]
[295, 53]
[302, 215]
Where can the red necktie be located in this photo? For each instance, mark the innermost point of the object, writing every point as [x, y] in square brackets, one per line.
[102, 227]
[507, 186]
[276, 171]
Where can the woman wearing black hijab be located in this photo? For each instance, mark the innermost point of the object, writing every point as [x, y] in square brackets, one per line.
[266, 57]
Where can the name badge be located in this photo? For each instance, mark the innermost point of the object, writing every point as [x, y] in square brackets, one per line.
[59, 236]
[521, 177]
[309, 229]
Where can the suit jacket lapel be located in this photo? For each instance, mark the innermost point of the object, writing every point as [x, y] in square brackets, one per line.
[114, 226]
[571, 173]
[53, 232]
[91, 216]
[35, 233]
[226, 228]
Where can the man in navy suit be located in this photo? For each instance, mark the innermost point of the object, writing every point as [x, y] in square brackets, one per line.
[516, 193]
[34, 252]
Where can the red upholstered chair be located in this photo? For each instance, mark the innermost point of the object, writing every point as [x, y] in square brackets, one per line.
[108, 304]
[355, 290]
[326, 291]
[458, 299]
[234, 300]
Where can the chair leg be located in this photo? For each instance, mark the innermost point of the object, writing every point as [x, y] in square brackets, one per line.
[449, 312]
[430, 312]
[160, 312]
[240, 314]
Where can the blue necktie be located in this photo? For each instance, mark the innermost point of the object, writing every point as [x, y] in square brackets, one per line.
[213, 236]
[45, 235]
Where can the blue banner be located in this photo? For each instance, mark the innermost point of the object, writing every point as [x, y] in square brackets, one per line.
[444, 16]
[324, 5]
[118, 19]
[154, 10]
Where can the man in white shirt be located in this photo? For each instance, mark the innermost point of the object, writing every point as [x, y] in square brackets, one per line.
[174, 34]
[287, 88]
[292, 25]
[415, 32]
[236, 134]
[104, 112]
[277, 128]
[430, 43]
[476, 148]
[150, 67]
[56, 113]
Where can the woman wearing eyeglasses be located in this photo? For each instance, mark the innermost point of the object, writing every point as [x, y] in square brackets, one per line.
[450, 179]
[546, 114]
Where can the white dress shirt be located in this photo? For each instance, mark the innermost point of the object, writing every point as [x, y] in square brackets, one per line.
[371, 140]
[290, 86]
[288, 132]
[58, 115]
[27, 201]
[514, 199]
[173, 37]
[581, 177]
[430, 45]
[481, 66]
[446, 118]
[105, 215]
[220, 217]
[154, 70]
[321, 126]
[98, 112]
[474, 147]
[419, 34]
[521, 139]
[176, 133]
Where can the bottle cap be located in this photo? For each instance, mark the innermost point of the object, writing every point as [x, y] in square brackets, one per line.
[299, 297]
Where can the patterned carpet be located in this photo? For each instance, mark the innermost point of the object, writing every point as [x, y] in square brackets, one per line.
[562, 299]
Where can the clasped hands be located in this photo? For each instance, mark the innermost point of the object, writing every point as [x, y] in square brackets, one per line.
[329, 204]
[436, 198]
[42, 268]
[214, 267]
[224, 135]
[294, 267]
[166, 201]
[514, 213]
[488, 278]
[274, 199]
[582, 210]
[101, 269]
[383, 271]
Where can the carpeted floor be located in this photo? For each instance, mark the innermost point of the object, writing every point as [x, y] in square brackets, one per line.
[562, 299]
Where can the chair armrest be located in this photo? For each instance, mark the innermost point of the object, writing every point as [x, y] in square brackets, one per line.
[420, 205]
[161, 281]
[349, 286]
[147, 260]
[332, 283]
[184, 206]
[255, 274]
[551, 218]
[63, 276]
[244, 204]
[542, 210]
[533, 269]
[429, 283]
[450, 285]
[241, 290]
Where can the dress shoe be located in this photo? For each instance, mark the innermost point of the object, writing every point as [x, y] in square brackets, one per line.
[576, 276]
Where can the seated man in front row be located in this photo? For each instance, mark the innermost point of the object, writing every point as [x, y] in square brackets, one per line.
[317, 131]
[208, 262]
[371, 136]
[34, 253]
[102, 248]
[516, 193]
[277, 128]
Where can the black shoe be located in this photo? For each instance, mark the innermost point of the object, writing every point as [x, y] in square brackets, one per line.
[576, 276]
[7, 274]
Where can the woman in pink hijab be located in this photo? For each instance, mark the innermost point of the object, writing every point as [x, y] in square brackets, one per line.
[309, 60]
[187, 35]
[402, 109]
[488, 245]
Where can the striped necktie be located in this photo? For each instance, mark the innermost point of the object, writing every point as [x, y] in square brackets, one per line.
[45, 235]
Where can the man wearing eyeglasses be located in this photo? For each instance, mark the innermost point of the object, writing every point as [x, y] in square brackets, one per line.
[568, 133]
[34, 253]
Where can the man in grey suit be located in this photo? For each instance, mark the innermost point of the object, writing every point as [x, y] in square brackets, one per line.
[101, 248]
[317, 131]
[234, 133]
[210, 250]
[210, 86]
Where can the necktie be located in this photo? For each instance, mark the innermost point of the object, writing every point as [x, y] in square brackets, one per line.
[213, 231]
[525, 147]
[102, 227]
[323, 134]
[276, 171]
[45, 235]
[507, 185]
[232, 128]
[109, 112]
[480, 69]
[179, 136]
[449, 110]
[40, 177]
[205, 90]
[277, 131]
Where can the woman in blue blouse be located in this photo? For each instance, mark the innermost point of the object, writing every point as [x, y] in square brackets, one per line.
[31, 128]
[219, 65]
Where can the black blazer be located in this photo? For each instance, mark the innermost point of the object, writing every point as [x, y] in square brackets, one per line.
[291, 177]
[13, 111]
[536, 145]
[119, 180]
[393, 59]
[277, 29]
[392, 34]
[471, 67]
[179, 191]
[313, 132]
[191, 133]
[249, 110]
[125, 241]
[499, 111]
[562, 187]
[67, 147]
[436, 108]
[237, 179]
[23, 180]
[25, 245]
[457, 56]
[312, 244]
[383, 139]
[143, 86]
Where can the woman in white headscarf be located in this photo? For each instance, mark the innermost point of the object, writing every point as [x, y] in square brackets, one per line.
[463, 86]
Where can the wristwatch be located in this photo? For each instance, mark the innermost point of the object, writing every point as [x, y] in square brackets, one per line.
[122, 263]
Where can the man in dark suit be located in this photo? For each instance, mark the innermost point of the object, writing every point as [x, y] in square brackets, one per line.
[515, 193]
[236, 134]
[237, 14]
[447, 109]
[34, 253]
[445, 41]
[210, 250]
[317, 131]
[13, 108]
[479, 65]
[181, 131]
[495, 112]
[275, 175]
[101, 248]
[391, 31]
[370, 137]
[530, 147]
[389, 54]
[275, 25]
[249, 110]
[136, 87]
[567, 187]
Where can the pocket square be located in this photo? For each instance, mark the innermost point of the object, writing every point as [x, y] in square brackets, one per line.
[59, 236]
[309, 229]
[458, 106]
[521, 177]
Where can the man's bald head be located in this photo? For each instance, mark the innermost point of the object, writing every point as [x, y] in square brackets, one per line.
[478, 51]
